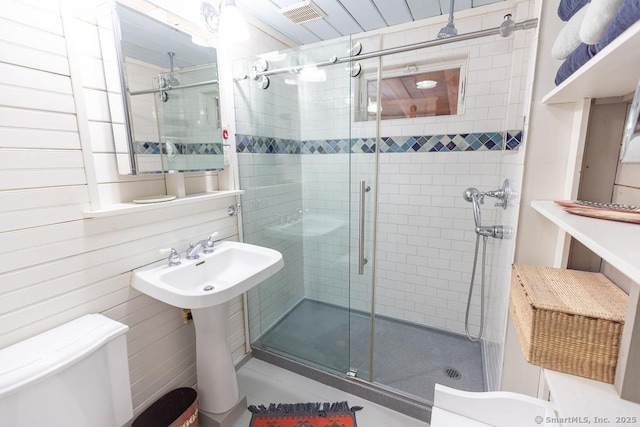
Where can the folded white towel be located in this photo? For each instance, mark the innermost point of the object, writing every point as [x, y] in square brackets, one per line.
[597, 19]
[569, 37]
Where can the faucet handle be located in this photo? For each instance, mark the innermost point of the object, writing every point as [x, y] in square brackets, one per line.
[174, 256]
[208, 246]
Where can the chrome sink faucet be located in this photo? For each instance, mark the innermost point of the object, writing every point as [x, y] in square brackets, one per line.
[174, 256]
[207, 247]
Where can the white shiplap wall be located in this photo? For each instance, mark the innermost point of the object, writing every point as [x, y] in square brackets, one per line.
[54, 264]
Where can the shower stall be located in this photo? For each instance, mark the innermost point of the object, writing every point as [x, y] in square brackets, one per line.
[355, 156]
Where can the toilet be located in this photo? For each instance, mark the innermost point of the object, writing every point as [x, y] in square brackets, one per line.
[74, 375]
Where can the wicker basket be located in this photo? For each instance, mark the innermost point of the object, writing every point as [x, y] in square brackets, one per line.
[567, 320]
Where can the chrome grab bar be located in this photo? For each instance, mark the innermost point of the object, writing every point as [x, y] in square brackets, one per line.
[361, 259]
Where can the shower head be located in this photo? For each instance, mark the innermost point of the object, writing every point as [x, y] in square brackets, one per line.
[172, 80]
[470, 193]
[448, 30]
[508, 26]
[474, 196]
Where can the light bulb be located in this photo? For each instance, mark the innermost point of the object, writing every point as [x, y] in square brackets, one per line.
[232, 24]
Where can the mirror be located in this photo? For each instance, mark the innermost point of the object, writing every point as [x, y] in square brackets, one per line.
[170, 96]
[630, 151]
[413, 91]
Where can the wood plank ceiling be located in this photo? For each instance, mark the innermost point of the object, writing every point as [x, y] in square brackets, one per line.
[345, 17]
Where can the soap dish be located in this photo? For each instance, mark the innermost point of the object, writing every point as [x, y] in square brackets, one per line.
[154, 199]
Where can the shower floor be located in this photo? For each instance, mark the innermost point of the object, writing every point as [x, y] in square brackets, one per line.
[407, 358]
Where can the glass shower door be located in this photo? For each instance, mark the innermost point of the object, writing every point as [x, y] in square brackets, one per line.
[302, 197]
[364, 193]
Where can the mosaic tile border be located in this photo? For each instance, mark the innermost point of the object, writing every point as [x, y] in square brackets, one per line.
[148, 147]
[487, 141]
[258, 144]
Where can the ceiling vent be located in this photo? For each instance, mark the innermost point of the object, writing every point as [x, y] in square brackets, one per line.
[302, 12]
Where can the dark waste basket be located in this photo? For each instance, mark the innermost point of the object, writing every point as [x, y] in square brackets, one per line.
[178, 408]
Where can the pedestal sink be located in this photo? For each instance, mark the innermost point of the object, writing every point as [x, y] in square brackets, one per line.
[206, 285]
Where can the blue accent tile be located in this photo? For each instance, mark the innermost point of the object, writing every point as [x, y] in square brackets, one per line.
[508, 140]
[476, 145]
[514, 139]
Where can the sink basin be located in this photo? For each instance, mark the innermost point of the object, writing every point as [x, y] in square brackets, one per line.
[216, 278]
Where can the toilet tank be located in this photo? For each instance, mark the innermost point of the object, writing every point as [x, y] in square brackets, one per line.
[74, 375]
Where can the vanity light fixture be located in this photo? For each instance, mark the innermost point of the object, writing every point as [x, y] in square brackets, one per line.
[225, 20]
[211, 16]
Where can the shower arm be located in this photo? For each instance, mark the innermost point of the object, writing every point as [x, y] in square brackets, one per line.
[171, 55]
[522, 25]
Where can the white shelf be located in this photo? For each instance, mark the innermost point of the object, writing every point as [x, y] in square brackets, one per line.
[128, 208]
[614, 71]
[616, 242]
[581, 397]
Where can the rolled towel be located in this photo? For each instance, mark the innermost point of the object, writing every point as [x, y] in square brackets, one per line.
[574, 61]
[628, 14]
[568, 8]
[569, 37]
[597, 18]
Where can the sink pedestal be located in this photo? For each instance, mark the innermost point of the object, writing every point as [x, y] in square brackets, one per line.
[217, 383]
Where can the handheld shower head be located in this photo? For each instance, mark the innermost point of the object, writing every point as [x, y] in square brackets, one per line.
[474, 196]
[470, 193]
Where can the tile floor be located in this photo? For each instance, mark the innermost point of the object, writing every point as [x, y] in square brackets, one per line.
[264, 383]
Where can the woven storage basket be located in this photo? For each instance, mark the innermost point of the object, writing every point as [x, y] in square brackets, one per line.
[567, 320]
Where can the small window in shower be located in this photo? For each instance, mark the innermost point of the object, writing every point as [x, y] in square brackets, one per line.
[413, 92]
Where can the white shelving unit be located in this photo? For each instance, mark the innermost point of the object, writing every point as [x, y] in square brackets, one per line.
[594, 402]
[612, 72]
[615, 242]
[128, 208]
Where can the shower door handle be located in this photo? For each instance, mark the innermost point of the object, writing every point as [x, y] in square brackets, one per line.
[361, 259]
